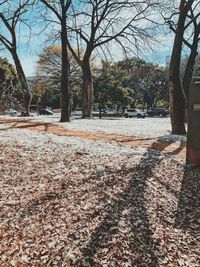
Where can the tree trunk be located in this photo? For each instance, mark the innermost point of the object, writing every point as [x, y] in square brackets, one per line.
[187, 78]
[27, 97]
[177, 99]
[100, 112]
[38, 99]
[87, 95]
[177, 106]
[65, 90]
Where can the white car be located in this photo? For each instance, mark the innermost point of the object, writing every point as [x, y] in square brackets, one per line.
[10, 111]
[134, 112]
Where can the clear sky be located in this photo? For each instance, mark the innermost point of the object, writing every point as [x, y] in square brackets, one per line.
[31, 48]
[30, 51]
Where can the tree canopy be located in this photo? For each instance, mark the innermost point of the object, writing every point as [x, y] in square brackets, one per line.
[46, 82]
[9, 93]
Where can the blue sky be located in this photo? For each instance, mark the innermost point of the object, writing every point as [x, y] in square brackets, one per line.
[30, 49]
[30, 46]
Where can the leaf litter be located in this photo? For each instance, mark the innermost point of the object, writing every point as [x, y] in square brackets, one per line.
[67, 201]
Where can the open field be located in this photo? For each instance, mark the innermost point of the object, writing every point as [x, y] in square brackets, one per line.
[96, 193]
[148, 127]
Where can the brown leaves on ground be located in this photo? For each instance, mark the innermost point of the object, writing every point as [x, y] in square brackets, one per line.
[65, 207]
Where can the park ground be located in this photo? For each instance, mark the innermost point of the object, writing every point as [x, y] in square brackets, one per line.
[109, 192]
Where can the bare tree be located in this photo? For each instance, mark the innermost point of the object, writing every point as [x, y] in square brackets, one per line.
[191, 39]
[11, 16]
[184, 34]
[194, 22]
[50, 64]
[95, 23]
[59, 9]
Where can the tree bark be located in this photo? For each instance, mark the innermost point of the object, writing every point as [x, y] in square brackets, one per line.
[87, 94]
[100, 112]
[187, 78]
[177, 99]
[27, 97]
[177, 106]
[65, 90]
[38, 112]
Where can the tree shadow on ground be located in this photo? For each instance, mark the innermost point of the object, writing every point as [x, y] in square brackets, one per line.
[188, 211]
[9, 127]
[141, 245]
[23, 124]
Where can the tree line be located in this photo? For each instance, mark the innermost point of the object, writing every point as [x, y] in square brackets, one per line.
[130, 82]
[83, 28]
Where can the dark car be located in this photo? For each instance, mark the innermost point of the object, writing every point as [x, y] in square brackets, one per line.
[161, 112]
[45, 112]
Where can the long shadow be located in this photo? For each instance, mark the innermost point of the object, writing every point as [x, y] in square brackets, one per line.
[9, 127]
[141, 243]
[178, 150]
[26, 124]
[96, 118]
[134, 139]
[140, 240]
[188, 211]
[32, 125]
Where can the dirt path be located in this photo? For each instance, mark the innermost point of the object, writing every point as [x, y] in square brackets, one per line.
[177, 149]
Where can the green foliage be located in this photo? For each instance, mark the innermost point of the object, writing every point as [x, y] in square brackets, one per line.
[8, 84]
[7, 72]
[131, 82]
[147, 81]
[109, 86]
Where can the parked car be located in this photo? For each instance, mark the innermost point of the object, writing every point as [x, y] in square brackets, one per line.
[10, 111]
[129, 113]
[45, 111]
[161, 112]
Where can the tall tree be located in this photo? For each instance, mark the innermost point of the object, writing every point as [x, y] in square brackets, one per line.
[95, 23]
[194, 22]
[12, 15]
[59, 9]
[192, 29]
[178, 89]
[177, 100]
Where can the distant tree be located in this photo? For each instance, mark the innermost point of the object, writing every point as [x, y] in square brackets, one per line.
[7, 73]
[109, 87]
[38, 87]
[12, 15]
[47, 80]
[9, 93]
[147, 82]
